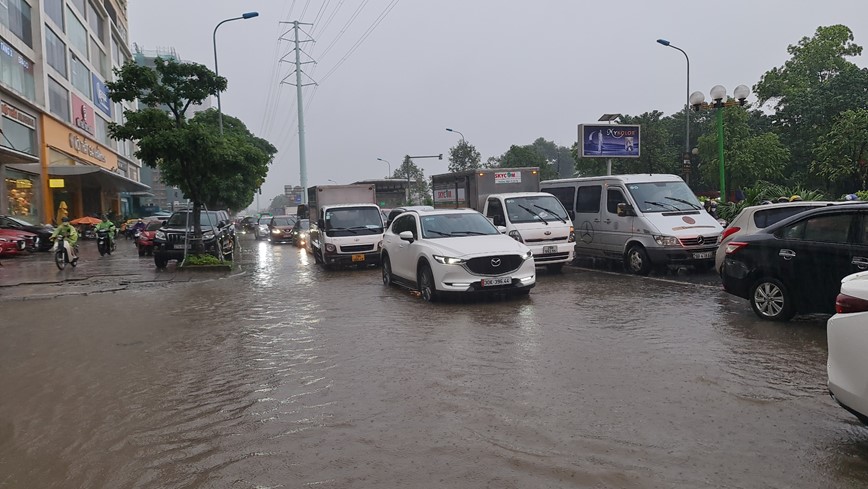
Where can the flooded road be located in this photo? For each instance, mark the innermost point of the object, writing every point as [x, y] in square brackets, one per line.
[290, 376]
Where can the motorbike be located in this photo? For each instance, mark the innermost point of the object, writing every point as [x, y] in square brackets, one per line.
[61, 253]
[103, 243]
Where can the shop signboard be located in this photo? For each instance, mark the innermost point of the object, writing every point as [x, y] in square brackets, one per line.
[17, 115]
[56, 183]
[82, 115]
[101, 96]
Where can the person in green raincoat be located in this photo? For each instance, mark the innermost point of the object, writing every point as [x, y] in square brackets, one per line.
[68, 231]
[109, 226]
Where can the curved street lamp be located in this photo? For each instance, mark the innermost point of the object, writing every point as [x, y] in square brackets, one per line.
[390, 167]
[719, 101]
[459, 133]
[686, 161]
[244, 16]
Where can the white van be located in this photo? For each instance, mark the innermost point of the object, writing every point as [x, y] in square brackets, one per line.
[648, 220]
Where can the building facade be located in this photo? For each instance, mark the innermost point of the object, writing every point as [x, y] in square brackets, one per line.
[55, 59]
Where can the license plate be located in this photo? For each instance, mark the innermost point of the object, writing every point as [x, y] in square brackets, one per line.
[704, 255]
[490, 282]
[358, 257]
[550, 249]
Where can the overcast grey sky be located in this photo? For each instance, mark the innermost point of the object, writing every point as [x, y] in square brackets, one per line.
[500, 71]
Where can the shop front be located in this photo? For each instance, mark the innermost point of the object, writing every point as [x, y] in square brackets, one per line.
[21, 190]
[81, 175]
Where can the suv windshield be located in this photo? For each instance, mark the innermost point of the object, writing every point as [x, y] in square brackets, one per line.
[208, 219]
[154, 225]
[455, 225]
[350, 221]
[663, 197]
[304, 224]
[282, 221]
[537, 208]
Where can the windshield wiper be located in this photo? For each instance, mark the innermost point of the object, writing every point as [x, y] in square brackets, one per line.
[661, 204]
[534, 213]
[344, 229]
[366, 228]
[475, 233]
[439, 232]
[550, 212]
[691, 204]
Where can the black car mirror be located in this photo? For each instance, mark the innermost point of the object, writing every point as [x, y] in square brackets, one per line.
[320, 223]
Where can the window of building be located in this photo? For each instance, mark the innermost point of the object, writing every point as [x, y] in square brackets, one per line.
[15, 15]
[98, 58]
[101, 130]
[80, 5]
[16, 71]
[54, 10]
[80, 76]
[22, 190]
[58, 99]
[19, 136]
[116, 52]
[76, 32]
[96, 22]
[55, 52]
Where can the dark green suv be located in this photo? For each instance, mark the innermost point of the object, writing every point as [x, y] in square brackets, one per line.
[176, 236]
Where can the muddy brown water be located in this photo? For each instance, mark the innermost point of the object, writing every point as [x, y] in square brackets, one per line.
[290, 376]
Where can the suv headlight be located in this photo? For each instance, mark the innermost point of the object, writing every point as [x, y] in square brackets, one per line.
[448, 260]
[275, 231]
[667, 240]
[572, 238]
[514, 234]
[160, 235]
[208, 235]
[527, 255]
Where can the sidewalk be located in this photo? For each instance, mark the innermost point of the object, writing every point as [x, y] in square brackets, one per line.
[35, 276]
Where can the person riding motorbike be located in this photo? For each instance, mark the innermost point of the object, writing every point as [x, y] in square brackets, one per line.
[138, 227]
[68, 231]
[107, 225]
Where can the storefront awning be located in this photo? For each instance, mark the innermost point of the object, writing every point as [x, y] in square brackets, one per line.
[103, 177]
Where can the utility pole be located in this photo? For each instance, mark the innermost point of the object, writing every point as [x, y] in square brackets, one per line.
[408, 160]
[302, 157]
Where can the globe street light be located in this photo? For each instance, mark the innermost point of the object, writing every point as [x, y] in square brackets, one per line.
[719, 101]
[459, 132]
[390, 167]
[244, 16]
[686, 161]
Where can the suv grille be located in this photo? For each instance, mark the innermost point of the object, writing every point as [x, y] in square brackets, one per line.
[544, 240]
[357, 248]
[484, 265]
[698, 241]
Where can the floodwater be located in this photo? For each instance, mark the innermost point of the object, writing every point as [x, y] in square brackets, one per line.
[291, 376]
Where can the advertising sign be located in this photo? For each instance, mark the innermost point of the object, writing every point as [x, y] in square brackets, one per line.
[82, 115]
[609, 141]
[101, 96]
[447, 195]
[507, 177]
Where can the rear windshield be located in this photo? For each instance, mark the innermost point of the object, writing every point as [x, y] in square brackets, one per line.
[766, 217]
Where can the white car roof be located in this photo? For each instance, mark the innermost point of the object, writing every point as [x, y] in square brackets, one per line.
[634, 178]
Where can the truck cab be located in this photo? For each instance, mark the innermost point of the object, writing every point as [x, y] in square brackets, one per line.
[347, 234]
[538, 220]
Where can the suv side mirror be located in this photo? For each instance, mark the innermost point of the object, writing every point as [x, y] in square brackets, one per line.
[320, 224]
[501, 229]
[406, 236]
[221, 225]
[625, 210]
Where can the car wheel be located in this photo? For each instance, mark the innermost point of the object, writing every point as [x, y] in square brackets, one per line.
[141, 251]
[160, 261]
[770, 299]
[387, 271]
[555, 267]
[426, 283]
[637, 260]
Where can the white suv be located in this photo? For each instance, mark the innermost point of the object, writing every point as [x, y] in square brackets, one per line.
[454, 250]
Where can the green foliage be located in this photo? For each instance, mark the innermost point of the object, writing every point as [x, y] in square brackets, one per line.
[463, 156]
[419, 187]
[841, 153]
[541, 153]
[201, 259]
[863, 195]
[280, 201]
[762, 191]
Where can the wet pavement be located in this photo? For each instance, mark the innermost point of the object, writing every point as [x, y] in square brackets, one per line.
[290, 376]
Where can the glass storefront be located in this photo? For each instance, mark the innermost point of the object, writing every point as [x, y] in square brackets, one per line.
[22, 194]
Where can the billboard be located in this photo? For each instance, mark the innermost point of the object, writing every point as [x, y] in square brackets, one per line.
[82, 115]
[101, 96]
[609, 140]
[448, 196]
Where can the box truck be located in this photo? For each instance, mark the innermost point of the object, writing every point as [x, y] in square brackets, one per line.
[346, 227]
[511, 199]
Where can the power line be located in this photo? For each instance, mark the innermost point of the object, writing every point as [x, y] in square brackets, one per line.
[361, 40]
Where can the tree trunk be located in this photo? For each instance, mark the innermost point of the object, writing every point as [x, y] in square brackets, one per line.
[198, 245]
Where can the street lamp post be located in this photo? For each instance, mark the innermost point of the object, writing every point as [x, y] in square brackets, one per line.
[459, 133]
[719, 101]
[686, 158]
[389, 166]
[244, 16]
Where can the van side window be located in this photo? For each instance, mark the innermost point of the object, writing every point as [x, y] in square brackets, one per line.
[588, 199]
[567, 196]
[614, 196]
[495, 212]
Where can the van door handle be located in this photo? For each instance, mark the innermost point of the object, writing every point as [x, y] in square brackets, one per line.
[607, 221]
[597, 220]
[787, 254]
[860, 262]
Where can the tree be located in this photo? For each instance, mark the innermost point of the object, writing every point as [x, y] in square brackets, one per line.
[809, 91]
[842, 153]
[415, 176]
[463, 156]
[280, 201]
[209, 168]
[541, 153]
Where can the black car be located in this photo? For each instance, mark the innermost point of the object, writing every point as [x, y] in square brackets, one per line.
[796, 265]
[300, 232]
[42, 232]
[170, 241]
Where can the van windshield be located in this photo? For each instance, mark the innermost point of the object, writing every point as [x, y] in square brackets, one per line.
[536, 208]
[663, 197]
[351, 221]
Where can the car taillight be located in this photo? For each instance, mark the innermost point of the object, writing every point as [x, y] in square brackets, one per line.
[846, 304]
[734, 246]
[728, 232]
